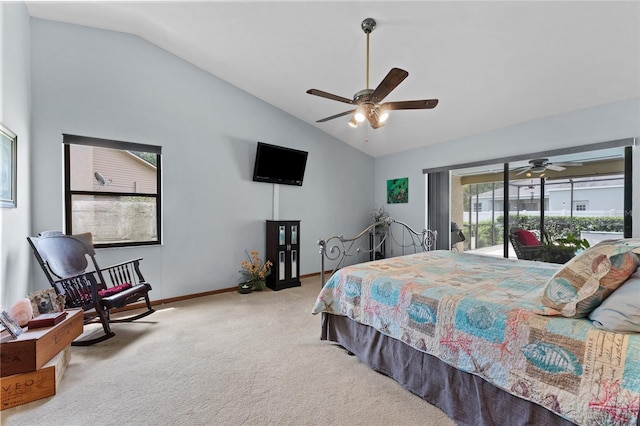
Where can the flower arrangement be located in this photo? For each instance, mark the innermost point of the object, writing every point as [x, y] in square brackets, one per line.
[376, 215]
[255, 271]
[379, 215]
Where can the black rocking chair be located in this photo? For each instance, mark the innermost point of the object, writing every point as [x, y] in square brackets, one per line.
[63, 259]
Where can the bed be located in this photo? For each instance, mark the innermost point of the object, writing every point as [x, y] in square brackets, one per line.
[480, 337]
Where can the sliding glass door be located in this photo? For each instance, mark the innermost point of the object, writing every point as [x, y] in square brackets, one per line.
[572, 199]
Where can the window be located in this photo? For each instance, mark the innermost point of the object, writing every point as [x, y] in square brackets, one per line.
[580, 206]
[477, 207]
[112, 189]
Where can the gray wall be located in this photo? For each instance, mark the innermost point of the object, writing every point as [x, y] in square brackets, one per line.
[58, 78]
[613, 121]
[15, 114]
[117, 86]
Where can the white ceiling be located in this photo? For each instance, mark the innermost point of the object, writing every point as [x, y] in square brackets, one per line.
[491, 64]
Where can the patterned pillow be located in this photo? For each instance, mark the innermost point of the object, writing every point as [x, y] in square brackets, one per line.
[587, 279]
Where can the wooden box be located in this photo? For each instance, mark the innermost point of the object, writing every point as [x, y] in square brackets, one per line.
[22, 388]
[34, 348]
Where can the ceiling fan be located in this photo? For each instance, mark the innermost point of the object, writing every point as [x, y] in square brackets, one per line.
[540, 165]
[368, 101]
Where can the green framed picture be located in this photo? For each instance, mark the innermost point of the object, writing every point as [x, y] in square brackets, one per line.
[398, 191]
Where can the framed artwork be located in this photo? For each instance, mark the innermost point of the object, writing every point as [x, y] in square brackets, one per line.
[8, 163]
[46, 301]
[398, 191]
[9, 323]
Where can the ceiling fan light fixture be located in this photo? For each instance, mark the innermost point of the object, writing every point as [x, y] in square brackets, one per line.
[368, 101]
[377, 117]
[383, 115]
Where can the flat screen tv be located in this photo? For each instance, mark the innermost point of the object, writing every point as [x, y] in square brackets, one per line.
[277, 164]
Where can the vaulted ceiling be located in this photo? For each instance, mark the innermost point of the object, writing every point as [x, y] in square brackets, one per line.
[490, 64]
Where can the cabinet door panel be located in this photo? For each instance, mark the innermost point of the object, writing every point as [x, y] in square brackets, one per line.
[283, 250]
[294, 263]
[282, 268]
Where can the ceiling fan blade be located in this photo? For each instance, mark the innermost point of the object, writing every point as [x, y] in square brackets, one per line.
[335, 116]
[390, 82]
[523, 171]
[422, 104]
[328, 95]
[556, 167]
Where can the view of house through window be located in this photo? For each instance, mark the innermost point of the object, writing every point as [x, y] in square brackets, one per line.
[114, 193]
[580, 199]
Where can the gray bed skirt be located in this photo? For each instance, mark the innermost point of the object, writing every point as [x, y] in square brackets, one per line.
[467, 399]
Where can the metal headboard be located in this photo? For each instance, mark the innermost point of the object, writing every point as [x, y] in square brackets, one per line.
[365, 246]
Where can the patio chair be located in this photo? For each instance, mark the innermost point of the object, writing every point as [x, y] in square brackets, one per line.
[456, 236]
[63, 258]
[526, 245]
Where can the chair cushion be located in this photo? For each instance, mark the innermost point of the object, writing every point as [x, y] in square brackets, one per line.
[113, 290]
[126, 296]
[527, 238]
[586, 280]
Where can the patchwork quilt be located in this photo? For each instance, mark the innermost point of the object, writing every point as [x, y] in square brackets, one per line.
[481, 315]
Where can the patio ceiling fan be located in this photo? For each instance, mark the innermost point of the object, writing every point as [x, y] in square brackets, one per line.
[368, 101]
[540, 165]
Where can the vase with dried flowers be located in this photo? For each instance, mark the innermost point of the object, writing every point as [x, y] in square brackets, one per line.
[379, 215]
[255, 271]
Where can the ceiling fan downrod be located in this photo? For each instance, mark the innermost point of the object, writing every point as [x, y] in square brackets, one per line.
[368, 25]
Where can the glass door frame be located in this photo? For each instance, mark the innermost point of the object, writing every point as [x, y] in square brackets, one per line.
[627, 144]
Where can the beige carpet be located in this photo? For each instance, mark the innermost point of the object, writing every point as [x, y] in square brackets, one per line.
[228, 359]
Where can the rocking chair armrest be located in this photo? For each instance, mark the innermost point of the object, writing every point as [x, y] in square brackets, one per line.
[122, 273]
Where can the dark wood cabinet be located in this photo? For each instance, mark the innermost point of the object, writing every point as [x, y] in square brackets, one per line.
[283, 250]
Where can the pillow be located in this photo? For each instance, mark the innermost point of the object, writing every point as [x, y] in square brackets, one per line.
[527, 238]
[620, 312]
[114, 290]
[586, 280]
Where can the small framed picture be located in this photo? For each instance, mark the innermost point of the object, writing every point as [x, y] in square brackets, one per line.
[9, 323]
[8, 164]
[398, 191]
